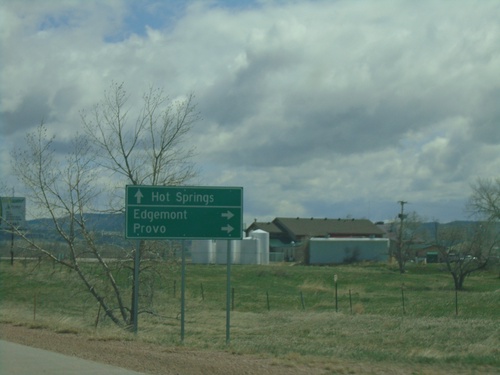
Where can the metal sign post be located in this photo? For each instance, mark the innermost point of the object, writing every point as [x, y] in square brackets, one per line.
[228, 292]
[183, 288]
[135, 302]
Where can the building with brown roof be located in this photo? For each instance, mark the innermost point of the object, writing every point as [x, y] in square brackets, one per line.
[291, 236]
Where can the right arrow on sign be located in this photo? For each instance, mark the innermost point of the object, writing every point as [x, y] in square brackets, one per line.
[228, 215]
[228, 228]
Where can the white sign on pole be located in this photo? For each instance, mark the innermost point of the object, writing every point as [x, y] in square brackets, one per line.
[12, 212]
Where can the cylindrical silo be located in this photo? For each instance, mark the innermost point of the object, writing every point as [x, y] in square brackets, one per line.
[263, 245]
[221, 247]
[249, 251]
[202, 252]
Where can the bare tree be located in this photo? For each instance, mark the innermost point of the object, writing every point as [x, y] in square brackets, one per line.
[485, 199]
[485, 203]
[146, 149]
[63, 190]
[149, 149]
[408, 235]
[467, 249]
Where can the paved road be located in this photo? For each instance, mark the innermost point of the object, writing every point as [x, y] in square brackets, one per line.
[18, 359]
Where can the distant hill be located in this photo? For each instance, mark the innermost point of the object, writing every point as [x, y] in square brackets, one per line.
[107, 224]
[430, 228]
[100, 223]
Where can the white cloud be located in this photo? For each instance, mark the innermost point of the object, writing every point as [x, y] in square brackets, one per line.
[310, 105]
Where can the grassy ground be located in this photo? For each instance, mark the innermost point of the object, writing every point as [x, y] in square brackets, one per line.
[289, 312]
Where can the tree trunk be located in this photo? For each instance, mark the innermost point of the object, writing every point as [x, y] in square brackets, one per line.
[459, 281]
[401, 264]
[402, 269]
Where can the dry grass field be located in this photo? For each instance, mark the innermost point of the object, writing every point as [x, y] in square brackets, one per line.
[284, 318]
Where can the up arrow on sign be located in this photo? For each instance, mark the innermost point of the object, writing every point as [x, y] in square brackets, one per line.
[138, 196]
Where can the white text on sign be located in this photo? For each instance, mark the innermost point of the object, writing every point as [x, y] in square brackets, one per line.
[182, 198]
[159, 215]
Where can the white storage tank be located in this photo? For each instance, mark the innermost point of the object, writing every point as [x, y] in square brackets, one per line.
[221, 251]
[263, 245]
[249, 251]
[235, 255]
[203, 251]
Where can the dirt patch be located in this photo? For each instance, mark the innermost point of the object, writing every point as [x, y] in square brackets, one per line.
[148, 358]
[154, 359]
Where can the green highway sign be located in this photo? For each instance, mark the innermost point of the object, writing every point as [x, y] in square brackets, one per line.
[190, 212]
[12, 212]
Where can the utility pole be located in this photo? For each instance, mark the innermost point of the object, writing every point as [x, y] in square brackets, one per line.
[402, 216]
[400, 255]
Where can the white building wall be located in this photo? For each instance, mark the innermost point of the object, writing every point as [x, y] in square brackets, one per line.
[339, 250]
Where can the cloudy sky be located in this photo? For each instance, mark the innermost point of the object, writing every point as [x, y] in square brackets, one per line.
[317, 108]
